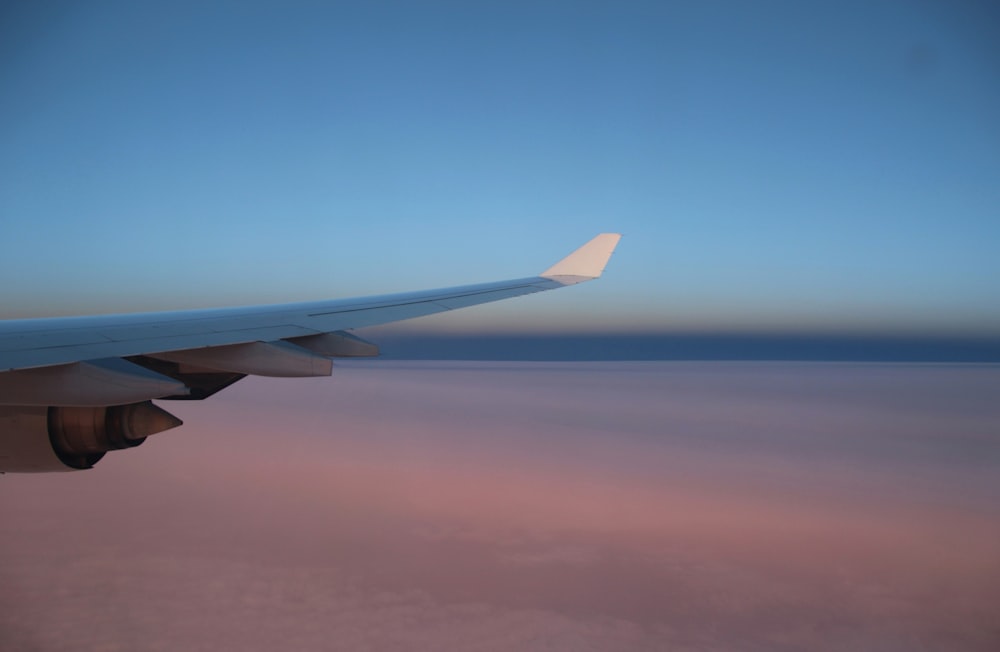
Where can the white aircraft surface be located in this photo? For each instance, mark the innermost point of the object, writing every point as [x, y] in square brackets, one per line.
[74, 388]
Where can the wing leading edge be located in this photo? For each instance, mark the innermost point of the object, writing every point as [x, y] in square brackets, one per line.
[117, 359]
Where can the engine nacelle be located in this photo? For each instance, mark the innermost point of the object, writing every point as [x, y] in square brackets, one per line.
[38, 439]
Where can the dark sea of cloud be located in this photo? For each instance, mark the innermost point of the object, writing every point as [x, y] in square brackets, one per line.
[829, 347]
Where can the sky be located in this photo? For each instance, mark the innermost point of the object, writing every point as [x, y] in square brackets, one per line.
[780, 166]
[530, 506]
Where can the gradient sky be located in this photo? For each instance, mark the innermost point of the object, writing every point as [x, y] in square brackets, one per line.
[774, 165]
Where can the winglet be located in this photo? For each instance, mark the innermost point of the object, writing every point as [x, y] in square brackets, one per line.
[587, 262]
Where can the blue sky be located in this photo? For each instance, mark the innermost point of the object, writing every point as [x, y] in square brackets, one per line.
[774, 166]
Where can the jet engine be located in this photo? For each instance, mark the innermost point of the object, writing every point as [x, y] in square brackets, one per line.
[37, 439]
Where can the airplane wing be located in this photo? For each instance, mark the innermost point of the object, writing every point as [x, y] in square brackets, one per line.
[73, 388]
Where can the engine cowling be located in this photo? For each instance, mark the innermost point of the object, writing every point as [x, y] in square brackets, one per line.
[39, 439]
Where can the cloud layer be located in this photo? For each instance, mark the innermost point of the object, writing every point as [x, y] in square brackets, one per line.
[456, 506]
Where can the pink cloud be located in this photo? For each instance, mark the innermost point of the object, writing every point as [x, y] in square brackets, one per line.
[536, 507]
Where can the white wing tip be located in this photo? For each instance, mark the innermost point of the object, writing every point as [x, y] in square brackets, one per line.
[588, 261]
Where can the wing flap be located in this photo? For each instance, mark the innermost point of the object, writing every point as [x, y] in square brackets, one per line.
[339, 344]
[83, 384]
[279, 359]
